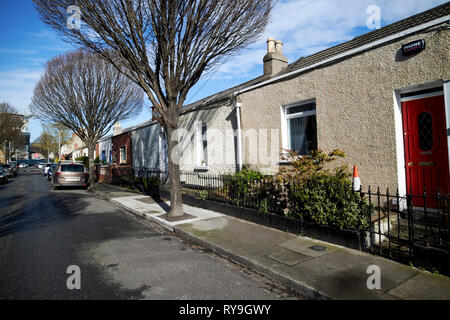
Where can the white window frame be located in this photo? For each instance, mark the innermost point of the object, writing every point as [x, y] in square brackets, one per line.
[285, 117]
[121, 160]
[201, 155]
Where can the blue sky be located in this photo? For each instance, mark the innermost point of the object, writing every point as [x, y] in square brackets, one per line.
[305, 27]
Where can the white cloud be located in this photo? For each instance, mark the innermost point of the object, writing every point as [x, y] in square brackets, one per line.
[16, 86]
[308, 26]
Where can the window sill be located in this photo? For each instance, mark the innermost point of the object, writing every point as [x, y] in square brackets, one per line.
[203, 169]
[287, 162]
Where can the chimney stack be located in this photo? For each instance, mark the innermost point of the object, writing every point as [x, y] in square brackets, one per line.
[274, 61]
[117, 129]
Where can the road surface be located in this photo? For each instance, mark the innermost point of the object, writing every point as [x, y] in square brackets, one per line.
[44, 232]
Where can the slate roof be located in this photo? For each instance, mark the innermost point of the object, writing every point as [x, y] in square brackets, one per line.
[222, 95]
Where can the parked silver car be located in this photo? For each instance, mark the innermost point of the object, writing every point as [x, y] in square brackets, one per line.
[70, 175]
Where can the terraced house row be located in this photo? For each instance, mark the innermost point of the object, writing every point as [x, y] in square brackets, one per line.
[383, 98]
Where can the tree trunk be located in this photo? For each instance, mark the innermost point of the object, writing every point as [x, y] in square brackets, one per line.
[176, 199]
[91, 148]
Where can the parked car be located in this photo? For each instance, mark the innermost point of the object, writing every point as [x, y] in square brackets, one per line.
[40, 165]
[23, 165]
[3, 176]
[70, 175]
[50, 171]
[7, 168]
[14, 168]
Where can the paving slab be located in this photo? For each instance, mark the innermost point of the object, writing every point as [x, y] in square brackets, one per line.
[288, 257]
[306, 247]
[238, 236]
[423, 285]
[342, 274]
[155, 210]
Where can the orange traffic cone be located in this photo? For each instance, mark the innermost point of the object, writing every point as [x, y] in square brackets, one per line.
[356, 179]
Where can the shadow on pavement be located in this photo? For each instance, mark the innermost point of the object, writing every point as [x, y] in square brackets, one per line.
[36, 212]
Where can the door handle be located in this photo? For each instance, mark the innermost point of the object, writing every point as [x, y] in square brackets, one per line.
[411, 164]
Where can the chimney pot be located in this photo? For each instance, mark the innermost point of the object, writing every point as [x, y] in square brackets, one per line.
[279, 47]
[270, 45]
[117, 129]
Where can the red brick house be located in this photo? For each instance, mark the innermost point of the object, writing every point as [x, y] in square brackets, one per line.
[120, 163]
[121, 147]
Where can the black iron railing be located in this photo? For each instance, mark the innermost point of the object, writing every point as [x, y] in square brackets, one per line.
[403, 225]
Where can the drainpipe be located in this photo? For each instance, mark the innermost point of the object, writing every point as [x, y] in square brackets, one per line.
[239, 135]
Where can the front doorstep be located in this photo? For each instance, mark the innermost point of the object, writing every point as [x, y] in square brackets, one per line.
[347, 238]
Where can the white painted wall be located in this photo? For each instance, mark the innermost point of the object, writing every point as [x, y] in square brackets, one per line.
[105, 145]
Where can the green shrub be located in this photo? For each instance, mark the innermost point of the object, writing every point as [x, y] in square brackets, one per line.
[263, 206]
[327, 198]
[97, 160]
[305, 190]
[84, 160]
[202, 194]
[239, 185]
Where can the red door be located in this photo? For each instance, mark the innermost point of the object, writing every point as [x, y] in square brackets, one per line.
[426, 151]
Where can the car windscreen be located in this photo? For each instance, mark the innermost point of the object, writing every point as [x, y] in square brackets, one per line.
[72, 168]
[6, 166]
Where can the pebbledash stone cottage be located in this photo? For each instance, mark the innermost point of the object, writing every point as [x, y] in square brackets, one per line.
[383, 98]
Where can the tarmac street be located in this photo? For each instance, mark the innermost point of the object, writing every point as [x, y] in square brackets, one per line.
[45, 236]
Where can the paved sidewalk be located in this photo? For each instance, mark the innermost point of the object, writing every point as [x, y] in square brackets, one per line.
[318, 269]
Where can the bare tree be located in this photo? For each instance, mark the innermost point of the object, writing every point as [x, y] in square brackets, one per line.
[11, 123]
[62, 135]
[46, 143]
[164, 46]
[86, 94]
